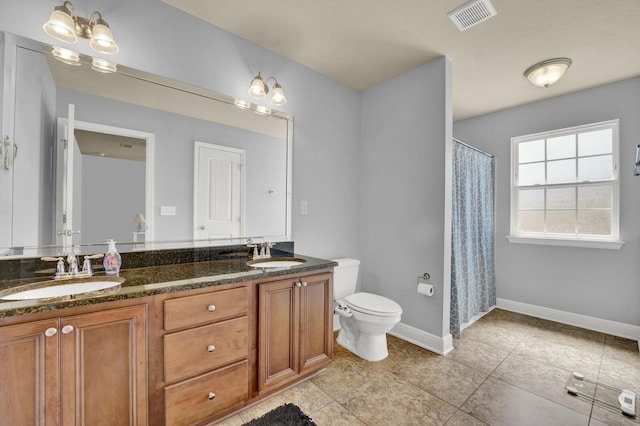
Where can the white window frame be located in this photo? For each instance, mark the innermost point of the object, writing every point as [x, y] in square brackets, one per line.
[607, 242]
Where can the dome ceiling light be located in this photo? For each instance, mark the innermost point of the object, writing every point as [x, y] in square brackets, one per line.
[547, 73]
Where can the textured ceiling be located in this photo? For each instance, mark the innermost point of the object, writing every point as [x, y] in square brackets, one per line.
[362, 43]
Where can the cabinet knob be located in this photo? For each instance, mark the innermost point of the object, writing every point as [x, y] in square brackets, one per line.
[211, 308]
[298, 284]
[211, 348]
[211, 396]
[50, 331]
[67, 329]
[304, 283]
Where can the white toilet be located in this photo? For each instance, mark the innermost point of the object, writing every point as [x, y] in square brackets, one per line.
[365, 318]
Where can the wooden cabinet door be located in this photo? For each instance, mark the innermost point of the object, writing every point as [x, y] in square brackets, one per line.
[278, 333]
[29, 384]
[316, 321]
[104, 367]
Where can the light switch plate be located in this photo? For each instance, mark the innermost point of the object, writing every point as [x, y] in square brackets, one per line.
[304, 207]
[167, 210]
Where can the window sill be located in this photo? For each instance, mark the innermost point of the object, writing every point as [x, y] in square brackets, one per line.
[601, 244]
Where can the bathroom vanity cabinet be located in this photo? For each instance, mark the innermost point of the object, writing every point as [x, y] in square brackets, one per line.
[295, 328]
[206, 351]
[184, 356]
[78, 369]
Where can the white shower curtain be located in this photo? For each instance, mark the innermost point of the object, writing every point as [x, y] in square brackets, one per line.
[472, 236]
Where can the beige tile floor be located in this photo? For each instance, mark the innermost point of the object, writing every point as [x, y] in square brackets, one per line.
[508, 369]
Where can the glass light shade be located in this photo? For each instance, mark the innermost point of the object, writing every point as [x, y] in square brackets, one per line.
[102, 39]
[103, 65]
[278, 97]
[258, 89]
[263, 110]
[546, 73]
[61, 26]
[65, 55]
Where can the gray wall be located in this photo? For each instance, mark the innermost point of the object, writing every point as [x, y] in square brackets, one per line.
[595, 282]
[112, 196]
[327, 114]
[406, 126]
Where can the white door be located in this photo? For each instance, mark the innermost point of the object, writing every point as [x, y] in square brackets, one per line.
[218, 192]
[65, 180]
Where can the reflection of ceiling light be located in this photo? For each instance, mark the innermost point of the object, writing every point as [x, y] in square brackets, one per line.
[102, 65]
[65, 55]
[546, 73]
[65, 25]
[259, 90]
[241, 103]
[262, 110]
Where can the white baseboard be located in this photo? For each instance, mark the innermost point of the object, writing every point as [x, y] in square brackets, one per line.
[437, 344]
[614, 328]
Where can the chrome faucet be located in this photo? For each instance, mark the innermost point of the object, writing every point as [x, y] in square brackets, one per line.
[72, 261]
[261, 251]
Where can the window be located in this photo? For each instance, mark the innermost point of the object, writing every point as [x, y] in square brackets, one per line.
[564, 187]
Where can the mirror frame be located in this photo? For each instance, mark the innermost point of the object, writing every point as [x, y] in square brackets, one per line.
[9, 44]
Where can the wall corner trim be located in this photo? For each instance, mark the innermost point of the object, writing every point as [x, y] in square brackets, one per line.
[614, 328]
[431, 342]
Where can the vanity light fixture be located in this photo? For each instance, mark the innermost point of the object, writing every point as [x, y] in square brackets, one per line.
[546, 73]
[65, 25]
[103, 65]
[259, 89]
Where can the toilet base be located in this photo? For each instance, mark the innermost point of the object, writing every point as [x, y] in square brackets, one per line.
[366, 346]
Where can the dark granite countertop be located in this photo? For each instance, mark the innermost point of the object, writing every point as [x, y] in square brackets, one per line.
[153, 280]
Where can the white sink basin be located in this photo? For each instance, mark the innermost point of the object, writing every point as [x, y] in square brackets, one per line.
[276, 262]
[62, 288]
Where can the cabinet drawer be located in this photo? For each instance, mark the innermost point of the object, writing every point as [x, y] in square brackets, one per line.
[190, 352]
[203, 308]
[203, 396]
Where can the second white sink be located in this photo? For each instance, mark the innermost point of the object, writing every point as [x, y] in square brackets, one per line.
[276, 262]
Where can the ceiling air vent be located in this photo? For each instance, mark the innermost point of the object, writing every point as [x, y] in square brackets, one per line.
[472, 13]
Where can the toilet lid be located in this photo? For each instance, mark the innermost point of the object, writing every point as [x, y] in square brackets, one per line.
[372, 304]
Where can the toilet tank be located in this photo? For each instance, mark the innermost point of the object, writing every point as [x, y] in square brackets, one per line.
[345, 277]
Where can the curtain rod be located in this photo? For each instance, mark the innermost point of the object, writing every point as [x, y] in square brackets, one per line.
[473, 147]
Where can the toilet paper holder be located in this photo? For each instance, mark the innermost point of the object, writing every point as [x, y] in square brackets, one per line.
[424, 278]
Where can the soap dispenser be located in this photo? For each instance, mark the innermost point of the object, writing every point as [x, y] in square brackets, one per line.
[112, 260]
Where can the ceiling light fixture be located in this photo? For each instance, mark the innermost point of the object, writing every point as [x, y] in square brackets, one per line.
[65, 25]
[259, 90]
[546, 73]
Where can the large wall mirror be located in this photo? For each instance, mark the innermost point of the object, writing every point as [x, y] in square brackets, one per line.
[149, 162]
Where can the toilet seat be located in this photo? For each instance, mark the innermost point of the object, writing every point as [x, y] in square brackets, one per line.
[372, 304]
